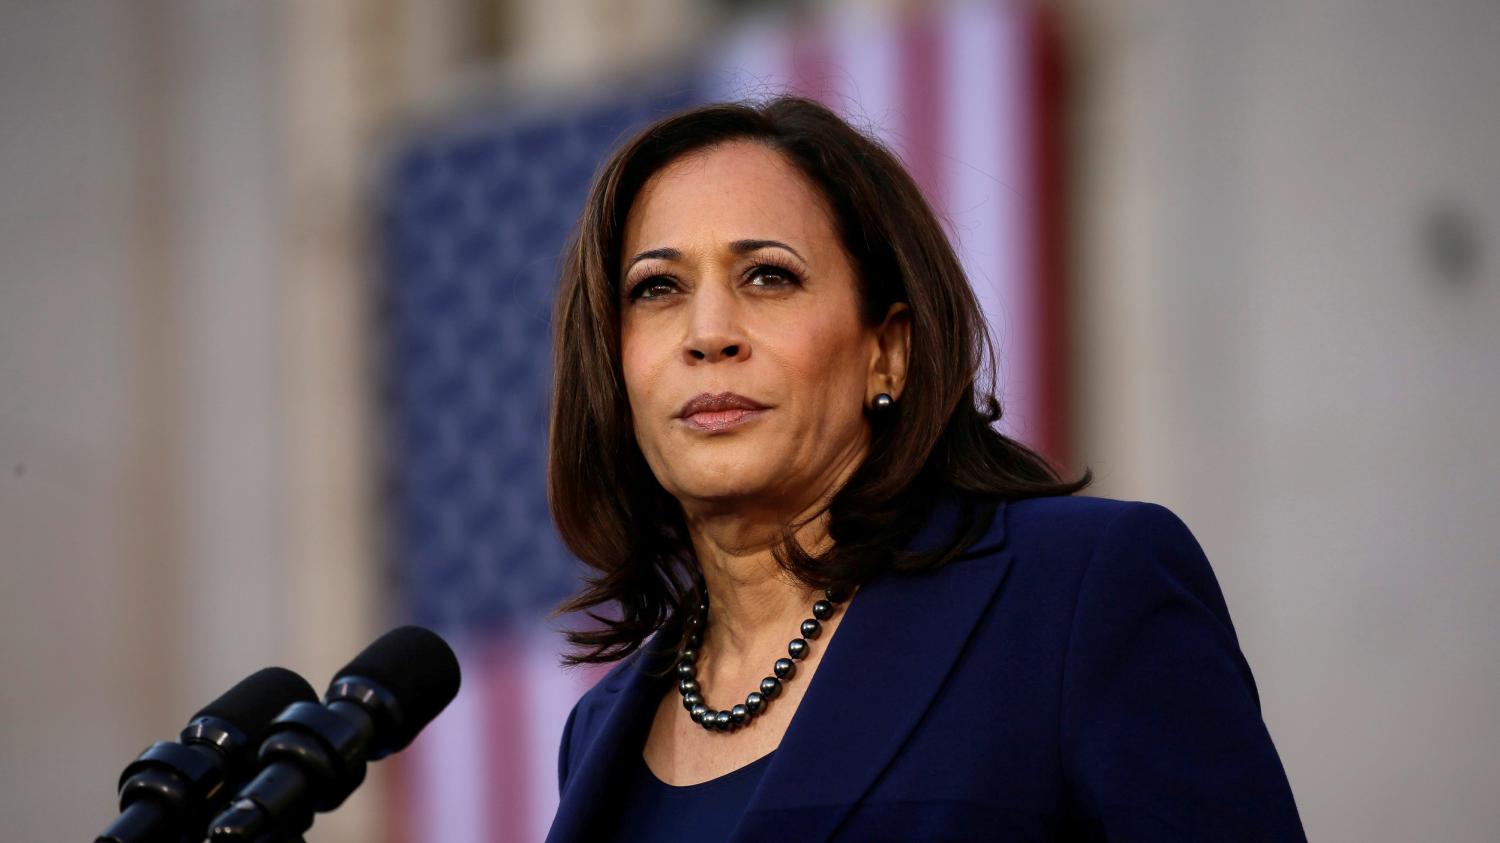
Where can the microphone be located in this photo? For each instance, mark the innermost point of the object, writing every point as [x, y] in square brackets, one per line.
[170, 791]
[314, 755]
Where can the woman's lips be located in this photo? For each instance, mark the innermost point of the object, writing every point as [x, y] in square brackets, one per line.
[719, 419]
[719, 411]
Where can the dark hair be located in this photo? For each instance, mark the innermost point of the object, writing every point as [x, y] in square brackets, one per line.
[608, 506]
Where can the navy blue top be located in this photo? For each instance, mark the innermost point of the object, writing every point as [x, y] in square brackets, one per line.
[651, 809]
[1074, 675]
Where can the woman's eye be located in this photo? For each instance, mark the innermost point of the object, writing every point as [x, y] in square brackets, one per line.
[772, 276]
[652, 288]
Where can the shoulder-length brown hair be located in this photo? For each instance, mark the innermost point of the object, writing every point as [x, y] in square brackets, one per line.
[940, 437]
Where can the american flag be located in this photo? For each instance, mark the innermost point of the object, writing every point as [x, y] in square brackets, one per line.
[474, 215]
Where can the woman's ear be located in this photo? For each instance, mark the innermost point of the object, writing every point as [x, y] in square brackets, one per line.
[890, 352]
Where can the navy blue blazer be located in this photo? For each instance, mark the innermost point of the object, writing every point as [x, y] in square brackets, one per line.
[1074, 675]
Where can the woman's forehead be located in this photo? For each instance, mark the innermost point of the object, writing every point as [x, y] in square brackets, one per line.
[733, 191]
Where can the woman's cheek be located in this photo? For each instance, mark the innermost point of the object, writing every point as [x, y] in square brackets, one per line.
[825, 353]
[635, 364]
[641, 412]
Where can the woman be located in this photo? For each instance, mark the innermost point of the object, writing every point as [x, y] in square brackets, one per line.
[848, 608]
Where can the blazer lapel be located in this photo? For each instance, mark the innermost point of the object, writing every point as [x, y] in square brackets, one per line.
[889, 659]
[631, 697]
[893, 650]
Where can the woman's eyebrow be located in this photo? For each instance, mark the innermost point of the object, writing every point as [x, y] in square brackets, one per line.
[665, 253]
[739, 247]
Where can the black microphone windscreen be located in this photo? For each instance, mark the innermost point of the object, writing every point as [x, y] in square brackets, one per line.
[417, 667]
[258, 698]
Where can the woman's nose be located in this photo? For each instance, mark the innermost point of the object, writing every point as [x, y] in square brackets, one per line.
[712, 350]
[714, 333]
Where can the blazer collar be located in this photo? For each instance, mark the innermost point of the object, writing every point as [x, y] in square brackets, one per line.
[897, 643]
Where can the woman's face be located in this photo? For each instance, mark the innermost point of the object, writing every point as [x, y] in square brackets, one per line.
[747, 363]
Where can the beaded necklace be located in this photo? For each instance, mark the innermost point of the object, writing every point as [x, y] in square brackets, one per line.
[770, 687]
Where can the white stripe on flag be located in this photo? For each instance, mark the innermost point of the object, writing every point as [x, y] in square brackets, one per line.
[754, 64]
[551, 692]
[863, 44]
[987, 187]
[450, 768]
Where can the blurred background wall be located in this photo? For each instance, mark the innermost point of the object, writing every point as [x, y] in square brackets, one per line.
[1279, 243]
[1286, 218]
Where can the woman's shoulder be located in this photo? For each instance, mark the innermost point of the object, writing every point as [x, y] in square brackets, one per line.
[1114, 562]
[1063, 523]
[1084, 520]
[1059, 536]
[1074, 512]
[1127, 551]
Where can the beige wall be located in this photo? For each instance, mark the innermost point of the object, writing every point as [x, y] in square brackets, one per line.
[1268, 350]
[185, 488]
[70, 264]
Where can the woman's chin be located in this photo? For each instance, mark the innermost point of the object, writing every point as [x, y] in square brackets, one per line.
[718, 491]
[728, 488]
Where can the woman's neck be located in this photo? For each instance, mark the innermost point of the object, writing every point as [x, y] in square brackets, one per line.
[753, 603]
[754, 606]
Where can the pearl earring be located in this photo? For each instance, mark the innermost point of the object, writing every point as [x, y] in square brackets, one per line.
[883, 402]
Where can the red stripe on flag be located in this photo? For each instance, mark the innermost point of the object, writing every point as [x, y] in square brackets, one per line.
[1045, 167]
[505, 703]
[921, 97]
[810, 65]
[398, 819]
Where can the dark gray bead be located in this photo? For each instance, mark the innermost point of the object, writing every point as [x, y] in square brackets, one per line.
[834, 596]
[739, 714]
[687, 686]
[770, 687]
[688, 655]
[723, 720]
[784, 668]
[695, 622]
[708, 721]
[695, 640]
[685, 670]
[698, 713]
[822, 610]
[691, 700]
[811, 628]
[754, 702]
[797, 648]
